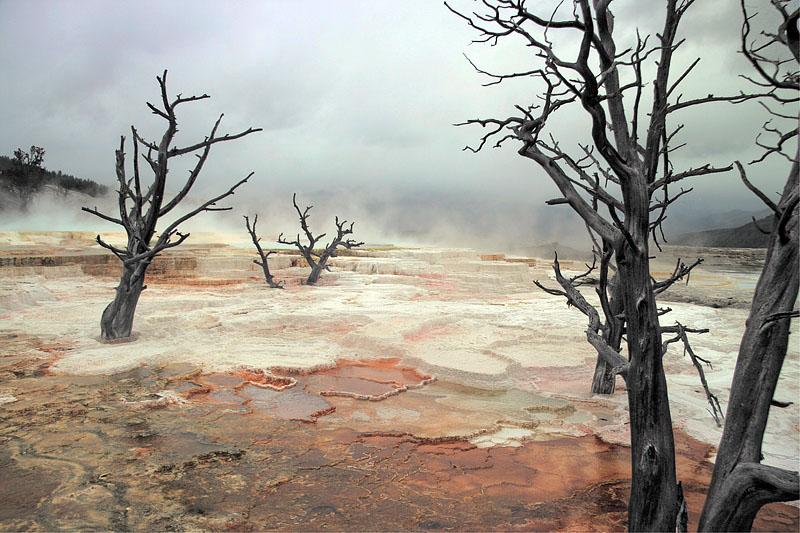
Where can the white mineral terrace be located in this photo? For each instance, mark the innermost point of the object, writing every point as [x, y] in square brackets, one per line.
[463, 318]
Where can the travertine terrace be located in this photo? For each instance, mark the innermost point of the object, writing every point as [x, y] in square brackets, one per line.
[411, 389]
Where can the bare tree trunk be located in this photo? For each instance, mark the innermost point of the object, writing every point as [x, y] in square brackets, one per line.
[117, 319]
[141, 210]
[605, 378]
[308, 250]
[264, 256]
[653, 500]
[269, 278]
[316, 271]
[629, 157]
[741, 485]
[738, 498]
[653, 503]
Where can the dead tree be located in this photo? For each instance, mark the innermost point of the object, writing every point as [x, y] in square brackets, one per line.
[602, 332]
[140, 210]
[264, 262]
[611, 325]
[597, 332]
[318, 259]
[741, 485]
[627, 171]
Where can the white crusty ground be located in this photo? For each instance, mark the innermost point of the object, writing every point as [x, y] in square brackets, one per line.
[473, 322]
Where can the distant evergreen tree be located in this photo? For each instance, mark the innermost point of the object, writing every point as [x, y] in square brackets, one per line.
[24, 176]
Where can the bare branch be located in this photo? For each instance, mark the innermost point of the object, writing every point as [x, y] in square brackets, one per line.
[713, 402]
[171, 230]
[703, 170]
[97, 213]
[576, 299]
[208, 142]
[119, 252]
[763, 197]
[318, 260]
[682, 270]
[195, 172]
[264, 263]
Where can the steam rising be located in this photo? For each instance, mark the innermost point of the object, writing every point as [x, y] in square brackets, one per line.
[392, 217]
[358, 121]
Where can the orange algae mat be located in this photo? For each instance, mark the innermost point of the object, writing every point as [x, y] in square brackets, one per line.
[74, 458]
[301, 398]
[373, 379]
[572, 484]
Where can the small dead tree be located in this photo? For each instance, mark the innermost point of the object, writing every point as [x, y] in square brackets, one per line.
[318, 259]
[140, 210]
[264, 262]
[601, 332]
[627, 170]
[741, 485]
[610, 325]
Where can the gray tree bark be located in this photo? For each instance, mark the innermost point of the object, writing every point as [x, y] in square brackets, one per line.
[264, 256]
[141, 210]
[604, 378]
[316, 271]
[117, 318]
[653, 502]
[318, 259]
[628, 157]
[740, 485]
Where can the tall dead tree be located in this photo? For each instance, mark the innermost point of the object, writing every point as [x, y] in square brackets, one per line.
[316, 258]
[141, 211]
[627, 171]
[263, 256]
[741, 485]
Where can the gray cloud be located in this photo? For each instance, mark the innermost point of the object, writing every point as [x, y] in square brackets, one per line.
[353, 96]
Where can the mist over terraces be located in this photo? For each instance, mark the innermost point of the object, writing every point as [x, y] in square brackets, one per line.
[342, 266]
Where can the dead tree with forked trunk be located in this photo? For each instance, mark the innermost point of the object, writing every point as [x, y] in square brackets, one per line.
[626, 170]
[318, 259]
[141, 210]
[610, 319]
[264, 256]
[602, 332]
[741, 485]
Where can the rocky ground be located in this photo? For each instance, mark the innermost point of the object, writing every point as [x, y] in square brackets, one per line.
[412, 389]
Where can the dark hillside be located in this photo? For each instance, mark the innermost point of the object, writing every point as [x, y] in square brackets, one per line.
[58, 179]
[746, 236]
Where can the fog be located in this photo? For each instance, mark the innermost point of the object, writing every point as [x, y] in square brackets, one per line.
[357, 101]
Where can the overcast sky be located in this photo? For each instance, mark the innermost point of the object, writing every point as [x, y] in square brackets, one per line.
[356, 98]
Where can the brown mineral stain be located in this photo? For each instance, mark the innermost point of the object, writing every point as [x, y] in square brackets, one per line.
[142, 452]
[22, 490]
[259, 378]
[229, 381]
[372, 379]
[291, 404]
[194, 283]
[194, 391]
[204, 465]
